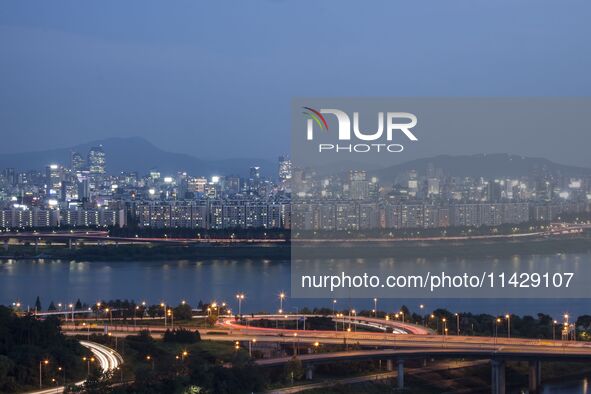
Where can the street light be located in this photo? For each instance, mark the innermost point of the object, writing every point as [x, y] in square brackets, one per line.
[457, 323]
[250, 345]
[163, 306]
[87, 330]
[281, 297]
[240, 297]
[375, 307]
[554, 330]
[333, 305]
[110, 312]
[170, 313]
[41, 364]
[444, 320]
[71, 310]
[497, 321]
[110, 335]
[150, 359]
[63, 370]
[423, 316]
[88, 361]
[508, 317]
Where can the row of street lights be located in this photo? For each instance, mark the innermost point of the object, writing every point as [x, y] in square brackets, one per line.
[62, 370]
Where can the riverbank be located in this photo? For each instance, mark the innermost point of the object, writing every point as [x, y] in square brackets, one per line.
[283, 251]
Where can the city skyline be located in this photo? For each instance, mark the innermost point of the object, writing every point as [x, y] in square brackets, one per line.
[83, 193]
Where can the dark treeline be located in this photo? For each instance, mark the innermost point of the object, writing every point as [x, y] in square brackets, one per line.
[27, 343]
[189, 368]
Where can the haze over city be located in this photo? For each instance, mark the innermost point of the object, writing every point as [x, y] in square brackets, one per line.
[336, 197]
[209, 80]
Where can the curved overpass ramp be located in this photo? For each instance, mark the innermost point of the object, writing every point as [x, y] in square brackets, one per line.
[107, 358]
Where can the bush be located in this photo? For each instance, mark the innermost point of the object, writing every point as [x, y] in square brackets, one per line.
[181, 335]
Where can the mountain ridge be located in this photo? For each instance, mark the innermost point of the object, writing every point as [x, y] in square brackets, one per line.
[146, 156]
[489, 165]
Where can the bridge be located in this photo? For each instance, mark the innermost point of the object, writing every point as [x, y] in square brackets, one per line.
[102, 237]
[407, 342]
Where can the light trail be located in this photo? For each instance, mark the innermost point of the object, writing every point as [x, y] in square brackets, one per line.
[107, 358]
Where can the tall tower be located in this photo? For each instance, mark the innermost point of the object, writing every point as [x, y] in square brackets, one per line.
[76, 162]
[284, 168]
[96, 160]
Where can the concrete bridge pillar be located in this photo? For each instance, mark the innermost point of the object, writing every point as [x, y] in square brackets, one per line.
[70, 243]
[400, 377]
[5, 244]
[498, 376]
[389, 365]
[309, 372]
[535, 376]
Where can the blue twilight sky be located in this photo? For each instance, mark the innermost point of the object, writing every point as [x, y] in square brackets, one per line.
[215, 79]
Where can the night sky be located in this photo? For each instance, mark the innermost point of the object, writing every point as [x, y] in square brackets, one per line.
[215, 80]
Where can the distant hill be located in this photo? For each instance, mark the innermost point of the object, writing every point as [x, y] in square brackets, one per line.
[138, 154]
[482, 165]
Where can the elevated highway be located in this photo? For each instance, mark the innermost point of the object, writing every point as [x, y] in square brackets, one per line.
[107, 358]
[394, 348]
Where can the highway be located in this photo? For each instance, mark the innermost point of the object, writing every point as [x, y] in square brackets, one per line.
[228, 330]
[473, 352]
[103, 236]
[386, 325]
[392, 347]
[556, 229]
[107, 358]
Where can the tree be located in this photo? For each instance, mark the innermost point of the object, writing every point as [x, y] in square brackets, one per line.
[181, 335]
[98, 382]
[51, 306]
[38, 304]
[78, 304]
[293, 370]
[193, 390]
[584, 321]
[406, 312]
[24, 340]
[7, 383]
[183, 312]
[211, 320]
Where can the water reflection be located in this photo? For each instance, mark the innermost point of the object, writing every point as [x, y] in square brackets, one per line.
[207, 280]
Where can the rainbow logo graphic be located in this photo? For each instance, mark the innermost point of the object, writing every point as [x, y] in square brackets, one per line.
[316, 116]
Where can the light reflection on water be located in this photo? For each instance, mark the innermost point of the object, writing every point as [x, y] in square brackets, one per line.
[221, 279]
